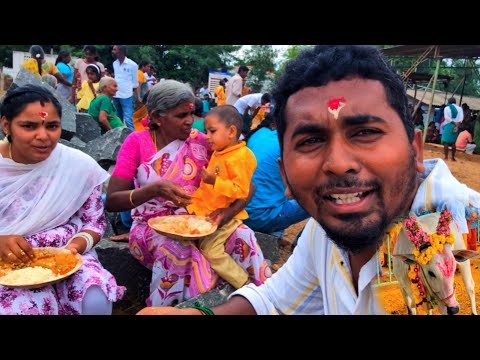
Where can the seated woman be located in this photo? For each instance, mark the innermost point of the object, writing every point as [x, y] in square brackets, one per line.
[101, 108]
[50, 195]
[165, 163]
[270, 211]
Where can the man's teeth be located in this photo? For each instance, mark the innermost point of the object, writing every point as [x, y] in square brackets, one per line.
[346, 198]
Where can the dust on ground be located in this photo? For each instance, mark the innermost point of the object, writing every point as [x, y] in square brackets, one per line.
[467, 170]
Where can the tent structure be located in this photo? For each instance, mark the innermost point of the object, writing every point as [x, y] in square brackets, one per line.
[438, 52]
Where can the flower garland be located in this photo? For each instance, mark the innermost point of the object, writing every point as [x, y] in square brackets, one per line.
[427, 245]
[418, 289]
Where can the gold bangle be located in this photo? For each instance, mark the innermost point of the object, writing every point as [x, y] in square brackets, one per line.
[131, 198]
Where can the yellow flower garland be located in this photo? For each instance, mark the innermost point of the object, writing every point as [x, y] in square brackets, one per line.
[437, 242]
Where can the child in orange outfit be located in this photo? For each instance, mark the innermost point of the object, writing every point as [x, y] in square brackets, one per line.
[226, 179]
[471, 213]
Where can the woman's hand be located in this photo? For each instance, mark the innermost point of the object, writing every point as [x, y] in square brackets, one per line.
[75, 248]
[168, 310]
[15, 249]
[170, 191]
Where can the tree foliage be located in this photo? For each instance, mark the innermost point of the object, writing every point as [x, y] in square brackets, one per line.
[262, 59]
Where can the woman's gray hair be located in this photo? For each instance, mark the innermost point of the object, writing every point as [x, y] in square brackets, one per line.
[103, 83]
[167, 95]
[50, 80]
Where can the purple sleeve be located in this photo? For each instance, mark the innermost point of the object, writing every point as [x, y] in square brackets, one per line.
[91, 213]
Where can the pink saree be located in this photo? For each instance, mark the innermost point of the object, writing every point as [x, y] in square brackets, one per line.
[179, 270]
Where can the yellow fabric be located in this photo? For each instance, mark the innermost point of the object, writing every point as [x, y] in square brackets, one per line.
[141, 77]
[47, 67]
[221, 98]
[138, 116]
[86, 95]
[234, 167]
[213, 248]
[258, 118]
[245, 90]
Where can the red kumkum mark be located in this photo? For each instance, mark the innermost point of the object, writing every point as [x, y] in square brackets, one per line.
[335, 105]
[446, 266]
[43, 115]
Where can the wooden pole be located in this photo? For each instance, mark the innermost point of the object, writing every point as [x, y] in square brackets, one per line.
[435, 76]
[464, 81]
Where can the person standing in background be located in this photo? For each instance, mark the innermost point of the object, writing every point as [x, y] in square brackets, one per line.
[126, 74]
[453, 117]
[235, 85]
[63, 65]
[90, 56]
[220, 92]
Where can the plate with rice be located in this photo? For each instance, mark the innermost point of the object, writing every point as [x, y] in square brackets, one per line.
[183, 227]
[49, 266]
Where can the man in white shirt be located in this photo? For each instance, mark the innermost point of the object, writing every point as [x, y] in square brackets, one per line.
[351, 158]
[126, 75]
[233, 91]
[248, 107]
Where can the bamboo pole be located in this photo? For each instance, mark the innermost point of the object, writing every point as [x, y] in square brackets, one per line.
[435, 76]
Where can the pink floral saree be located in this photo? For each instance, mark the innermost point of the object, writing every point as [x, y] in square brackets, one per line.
[180, 271]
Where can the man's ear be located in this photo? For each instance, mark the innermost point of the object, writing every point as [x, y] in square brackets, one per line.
[288, 193]
[4, 124]
[417, 145]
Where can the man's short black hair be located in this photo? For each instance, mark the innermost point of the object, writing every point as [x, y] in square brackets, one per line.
[317, 66]
[243, 68]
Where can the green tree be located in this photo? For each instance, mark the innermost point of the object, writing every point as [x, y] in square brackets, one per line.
[189, 63]
[290, 54]
[262, 59]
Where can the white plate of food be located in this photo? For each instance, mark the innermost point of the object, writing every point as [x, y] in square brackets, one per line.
[49, 266]
[183, 227]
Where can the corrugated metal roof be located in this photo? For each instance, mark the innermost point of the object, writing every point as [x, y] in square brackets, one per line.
[439, 98]
[445, 51]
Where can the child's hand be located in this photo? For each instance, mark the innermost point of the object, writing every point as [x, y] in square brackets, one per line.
[218, 217]
[208, 177]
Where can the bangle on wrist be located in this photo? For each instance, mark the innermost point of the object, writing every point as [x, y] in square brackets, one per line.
[131, 199]
[204, 309]
[88, 238]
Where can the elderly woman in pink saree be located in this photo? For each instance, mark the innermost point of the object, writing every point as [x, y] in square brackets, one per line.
[165, 163]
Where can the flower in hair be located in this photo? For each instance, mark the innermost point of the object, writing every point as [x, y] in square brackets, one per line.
[38, 56]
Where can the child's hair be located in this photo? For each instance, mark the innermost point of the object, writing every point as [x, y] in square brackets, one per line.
[198, 107]
[228, 115]
[95, 69]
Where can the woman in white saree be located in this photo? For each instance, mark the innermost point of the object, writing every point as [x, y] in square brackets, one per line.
[50, 195]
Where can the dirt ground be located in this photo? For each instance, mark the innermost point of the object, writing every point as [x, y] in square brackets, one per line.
[467, 170]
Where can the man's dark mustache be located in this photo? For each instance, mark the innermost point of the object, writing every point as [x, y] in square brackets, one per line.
[346, 182]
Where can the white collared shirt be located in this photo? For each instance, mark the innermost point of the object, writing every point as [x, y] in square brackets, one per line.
[315, 280]
[126, 75]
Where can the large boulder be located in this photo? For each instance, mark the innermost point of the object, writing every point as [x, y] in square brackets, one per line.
[104, 149]
[116, 258]
[68, 111]
[87, 128]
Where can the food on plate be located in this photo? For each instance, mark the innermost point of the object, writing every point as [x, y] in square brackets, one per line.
[183, 225]
[49, 264]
